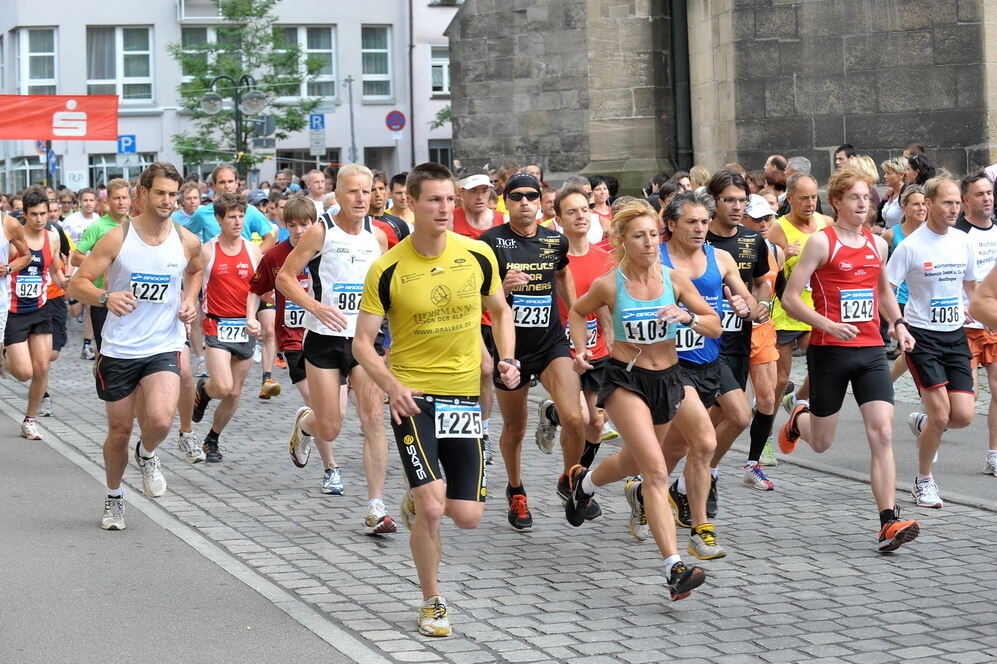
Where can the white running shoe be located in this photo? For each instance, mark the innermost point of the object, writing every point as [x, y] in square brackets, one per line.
[377, 520]
[45, 407]
[300, 443]
[925, 494]
[114, 514]
[433, 617]
[546, 430]
[29, 430]
[153, 481]
[991, 467]
[755, 477]
[916, 422]
[191, 447]
[637, 523]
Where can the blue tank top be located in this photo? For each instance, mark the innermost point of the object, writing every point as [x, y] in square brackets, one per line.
[898, 237]
[636, 321]
[691, 346]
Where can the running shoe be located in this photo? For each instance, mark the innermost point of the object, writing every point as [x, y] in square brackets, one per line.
[407, 509]
[916, 422]
[300, 443]
[333, 481]
[755, 477]
[114, 513]
[29, 430]
[703, 543]
[279, 361]
[153, 481]
[682, 580]
[211, 452]
[578, 501]
[711, 499]
[519, 512]
[489, 452]
[546, 430]
[925, 493]
[45, 407]
[201, 401]
[187, 443]
[991, 467]
[637, 523]
[768, 454]
[789, 434]
[86, 353]
[377, 520]
[680, 505]
[433, 618]
[896, 532]
[609, 432]
[269, 388]
[257, 353]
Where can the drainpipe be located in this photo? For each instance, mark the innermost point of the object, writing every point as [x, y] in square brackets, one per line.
[683, 96]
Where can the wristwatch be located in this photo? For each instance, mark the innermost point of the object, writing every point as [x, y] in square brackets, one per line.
[102, 299]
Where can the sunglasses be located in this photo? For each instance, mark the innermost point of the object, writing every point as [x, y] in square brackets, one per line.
[520, 195]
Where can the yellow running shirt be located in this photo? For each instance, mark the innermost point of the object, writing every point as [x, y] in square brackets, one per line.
[433, 307]
[781, 319]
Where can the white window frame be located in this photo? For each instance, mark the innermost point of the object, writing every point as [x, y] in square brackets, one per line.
[364, 77]
[301, 34]
[445, 65]
[120, 80]
[24, 82]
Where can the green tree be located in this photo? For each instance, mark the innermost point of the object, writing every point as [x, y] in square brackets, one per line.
[246, 42]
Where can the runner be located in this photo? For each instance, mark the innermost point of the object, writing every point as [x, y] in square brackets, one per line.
[28, 334]
[935, 262]
[642, 387]
[533, 264]
[230, 261]
[714, 274]
[338, 251]
[147, 260]
[844, 263]
[431, 288]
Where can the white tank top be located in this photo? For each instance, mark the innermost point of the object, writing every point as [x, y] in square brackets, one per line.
[338, 273]
[155, 276]
[5, 257]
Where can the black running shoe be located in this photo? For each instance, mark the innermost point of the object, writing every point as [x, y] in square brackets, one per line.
[201, 400]
[680, 505]
[683, 580]
[519, 512]
[577, 505]
[211, 453]
[711, 499]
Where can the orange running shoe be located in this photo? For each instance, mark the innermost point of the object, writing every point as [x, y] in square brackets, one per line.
[897, 532]
[788, 434]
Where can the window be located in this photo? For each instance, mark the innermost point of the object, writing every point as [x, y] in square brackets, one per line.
[440, 68]
[104, 167]
[375, 49]
[441, 152]
[317, 46]
[36, 61]
[119, 62]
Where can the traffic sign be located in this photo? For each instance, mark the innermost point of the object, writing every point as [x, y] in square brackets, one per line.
[395, 121]
[316, 121]
[127, 144]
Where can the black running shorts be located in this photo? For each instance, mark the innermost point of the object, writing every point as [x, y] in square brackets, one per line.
[941, 359]
[832, 368]
[117, 378]
[660, 389]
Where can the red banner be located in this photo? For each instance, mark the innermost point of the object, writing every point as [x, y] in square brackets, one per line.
[59, 117]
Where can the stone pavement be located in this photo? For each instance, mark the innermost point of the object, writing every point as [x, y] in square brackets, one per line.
[802, 580]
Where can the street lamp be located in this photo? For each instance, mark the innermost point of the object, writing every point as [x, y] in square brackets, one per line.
[248, 101]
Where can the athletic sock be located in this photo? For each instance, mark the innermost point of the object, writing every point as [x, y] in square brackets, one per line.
[761, 428]
[588, 456]
[588, 486]
[114, 493]
[886, 516]
[671, 560]
[681, 485]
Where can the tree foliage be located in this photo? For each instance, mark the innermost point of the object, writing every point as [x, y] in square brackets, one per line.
[247, 41]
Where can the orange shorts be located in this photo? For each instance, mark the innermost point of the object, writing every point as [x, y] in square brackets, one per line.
[983, 345]
[763, 348]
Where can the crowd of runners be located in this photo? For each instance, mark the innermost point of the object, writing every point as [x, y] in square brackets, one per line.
[667, 323]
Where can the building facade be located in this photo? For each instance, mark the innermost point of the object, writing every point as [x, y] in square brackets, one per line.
[394, 51]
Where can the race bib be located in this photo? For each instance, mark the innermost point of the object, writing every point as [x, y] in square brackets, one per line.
[232, 330]
[348, 297]
[729, 319]
[294, 315]
[641, 325]
[856, 305]
[531, 310]
[457, 420]
[591, 333]
[946, 310]
[29, 286]
[150, 287]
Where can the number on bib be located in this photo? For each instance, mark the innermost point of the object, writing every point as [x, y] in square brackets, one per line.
[29, 286]
[642, 326]
[150, 287]
[531, 310]
[294, 315]
[946, 310]
[591, 333]
[856, 305]
[232, 330]
[457, 420]
[731, 321]
[348, 297]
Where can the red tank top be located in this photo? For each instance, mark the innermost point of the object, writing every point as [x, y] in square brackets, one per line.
[461, 227]
[227, 287]
[584, 270]
[846, 290]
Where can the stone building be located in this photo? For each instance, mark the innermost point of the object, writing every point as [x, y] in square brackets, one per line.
[628, 87]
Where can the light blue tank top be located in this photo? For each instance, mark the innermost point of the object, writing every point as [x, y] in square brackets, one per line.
[691, 346]
[636, 321]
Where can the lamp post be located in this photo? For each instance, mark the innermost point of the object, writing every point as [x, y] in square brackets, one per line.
[248, 100]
